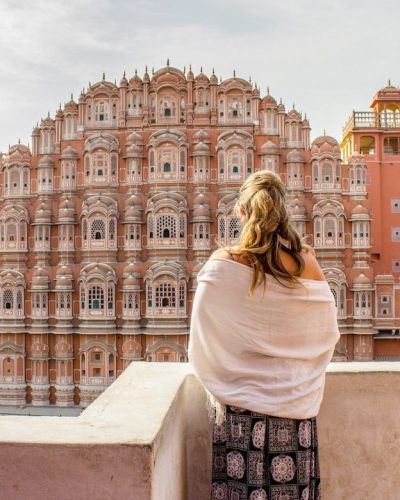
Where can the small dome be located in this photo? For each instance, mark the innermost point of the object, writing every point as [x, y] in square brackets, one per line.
[131, 281]
[69, 153]
[131, 268]
[123, 82]
[295, 156]
[358, 211]
[43, 213]
[135, 80]
[268, 101]
[40, 278]
[190, 75]
[319, 141]
[63, 271]
[294, 115]
[213, 79]
[134, 138]
[202, 78]
[201, 211]
[134, 151]
[132, 214]
[269, 148]
[66, 210]
[200, 135]
[297, 208]
[201, 148]
[361, 279]
[133, 201]
[200, 199]
[46, 161]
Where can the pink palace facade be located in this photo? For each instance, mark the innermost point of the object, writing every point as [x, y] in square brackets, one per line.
[106, 221]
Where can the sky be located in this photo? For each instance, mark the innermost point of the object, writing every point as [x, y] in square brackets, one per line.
[327, 57]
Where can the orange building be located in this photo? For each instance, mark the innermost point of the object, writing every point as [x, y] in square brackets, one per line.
[376, 135]
[106, 222]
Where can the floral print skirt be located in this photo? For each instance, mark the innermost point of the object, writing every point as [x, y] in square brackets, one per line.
[259, 457]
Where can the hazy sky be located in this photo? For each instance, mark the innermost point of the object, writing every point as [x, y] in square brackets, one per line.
[329, 57]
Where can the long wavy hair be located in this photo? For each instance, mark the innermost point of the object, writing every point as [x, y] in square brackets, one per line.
[266, 230]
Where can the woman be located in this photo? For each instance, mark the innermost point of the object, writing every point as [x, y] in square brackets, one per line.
[263, 332]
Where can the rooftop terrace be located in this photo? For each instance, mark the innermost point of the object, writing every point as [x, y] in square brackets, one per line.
[148, 437]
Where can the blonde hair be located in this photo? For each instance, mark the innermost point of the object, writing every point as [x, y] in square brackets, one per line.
[267, 229]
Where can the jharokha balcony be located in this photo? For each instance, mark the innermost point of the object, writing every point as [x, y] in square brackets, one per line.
[148, 436]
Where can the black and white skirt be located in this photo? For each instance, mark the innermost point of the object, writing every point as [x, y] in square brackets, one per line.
[259, 457]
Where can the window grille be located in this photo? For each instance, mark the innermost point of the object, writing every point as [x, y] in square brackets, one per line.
[166, 226]
[165, 295]
[8, 299]
[98, 230]
[234, 227]
[96, 298]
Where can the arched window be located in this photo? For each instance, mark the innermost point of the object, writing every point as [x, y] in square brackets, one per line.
[167, 167]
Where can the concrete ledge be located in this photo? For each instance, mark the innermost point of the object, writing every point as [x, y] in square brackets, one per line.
[148, 437]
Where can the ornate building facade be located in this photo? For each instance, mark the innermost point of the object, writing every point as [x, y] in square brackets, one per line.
[106, 222]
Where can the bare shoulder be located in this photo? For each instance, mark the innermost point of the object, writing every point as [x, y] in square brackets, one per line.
[220, 253]
[312, 269]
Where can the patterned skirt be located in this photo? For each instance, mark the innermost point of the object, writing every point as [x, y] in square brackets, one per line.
[259, 457]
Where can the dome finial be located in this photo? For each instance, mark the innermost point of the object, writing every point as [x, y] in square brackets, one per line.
[184, 70]
[201, 69]
[234, 73]
[190, 67]
[19, 140]
[168, 62]
[59, 104]
[104, 76]
[145, 69]
[213, 72]
[152, 70]
[268, 90]
[324, 132]
[90, 85]
[249, 79]
[124, 74]
[294, 106]
[48, 114]
[389, 83]
[72, 97]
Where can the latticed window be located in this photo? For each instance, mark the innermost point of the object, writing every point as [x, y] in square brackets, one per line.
[234, 227]
[96, 298]
[166, 226]
[335, 295]
[19, 299]
[99, 164]
[8, 299]
[61, 301]
[84, 229]
[83, 297]
[181, 295]
[165, 295]
[330, 231]
[110, 298]
[111, 229]
[44, 300]
[98, 230]
[150, 225]
[182, 226]
[221, 227]
[149, 296]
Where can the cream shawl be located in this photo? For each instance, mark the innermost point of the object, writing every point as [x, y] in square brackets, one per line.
[267, 352]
